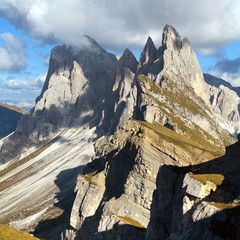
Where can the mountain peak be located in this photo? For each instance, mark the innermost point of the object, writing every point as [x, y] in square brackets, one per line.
[149, 54]
[172, 38]
[150, 42]
[128, 60]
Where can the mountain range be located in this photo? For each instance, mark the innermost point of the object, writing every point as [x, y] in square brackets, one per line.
[117, 148]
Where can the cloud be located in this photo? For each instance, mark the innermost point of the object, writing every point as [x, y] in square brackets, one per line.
[227, 69]
[12, 56]
[229, 65]
[232, 78]
[117, 25]
[17, 90]
[35, 84]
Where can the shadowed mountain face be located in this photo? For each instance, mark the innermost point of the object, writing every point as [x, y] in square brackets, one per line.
[9, 117]
[105, 133]
[198, 202]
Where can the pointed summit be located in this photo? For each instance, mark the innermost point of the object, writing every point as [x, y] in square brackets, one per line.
[149, 54]
[128, 60]
[170, 33]
[171, 38]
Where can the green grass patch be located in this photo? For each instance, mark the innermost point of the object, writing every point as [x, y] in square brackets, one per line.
[181, 140]
[131, 221]
[215, 178]
[176, 97]
[89, 177]
[223, 206]
[176, 100]
[9, 233]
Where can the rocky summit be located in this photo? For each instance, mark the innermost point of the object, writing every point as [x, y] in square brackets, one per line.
[117, 148]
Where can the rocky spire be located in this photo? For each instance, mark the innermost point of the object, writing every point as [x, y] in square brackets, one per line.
[149, 54]
[180, 65]
[147, 59]
[128, 60]
[172, 39]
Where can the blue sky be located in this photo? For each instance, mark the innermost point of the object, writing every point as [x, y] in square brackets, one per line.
[30, 28]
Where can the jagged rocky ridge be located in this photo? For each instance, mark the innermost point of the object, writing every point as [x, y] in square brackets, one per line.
[115, 124]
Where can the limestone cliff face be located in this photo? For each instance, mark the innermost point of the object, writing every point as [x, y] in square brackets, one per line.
[124, 95]
[78, 80]
[167, 82]
[75, 91]
[91, 85]
[181, 66]
[171, 84]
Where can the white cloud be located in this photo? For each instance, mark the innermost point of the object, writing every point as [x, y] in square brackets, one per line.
[17, 90]
[227, 69]
[35, 84]
[232, 78]
[117, 24]
[12, 56]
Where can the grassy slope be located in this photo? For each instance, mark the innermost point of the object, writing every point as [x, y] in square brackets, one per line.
[8, 233]
[182, 141]
[196, 133]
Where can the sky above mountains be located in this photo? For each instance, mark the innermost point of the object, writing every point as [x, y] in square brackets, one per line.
[30, 28]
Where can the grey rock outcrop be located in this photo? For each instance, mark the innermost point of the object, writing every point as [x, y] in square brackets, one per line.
[122, 102]
[91, 85]
[180, 66]
[150, 60]
[78, 80]
[217, 82]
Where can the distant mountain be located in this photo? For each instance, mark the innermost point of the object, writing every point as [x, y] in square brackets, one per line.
[217, 82]
[120, 148]
[26, 106]
[225, 103]
[9, 116]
